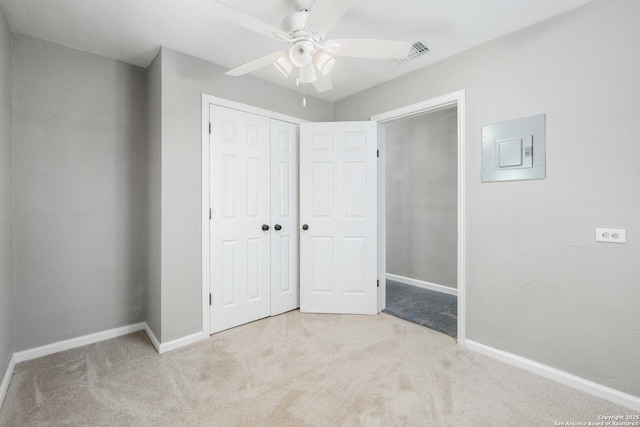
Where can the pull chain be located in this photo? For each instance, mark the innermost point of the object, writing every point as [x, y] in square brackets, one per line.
[304, 92]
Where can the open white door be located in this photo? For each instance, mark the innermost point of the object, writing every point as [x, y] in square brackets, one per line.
[338, 217]
[285, 294]
[240, 214]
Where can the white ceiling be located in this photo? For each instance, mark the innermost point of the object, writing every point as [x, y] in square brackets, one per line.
[133, 30]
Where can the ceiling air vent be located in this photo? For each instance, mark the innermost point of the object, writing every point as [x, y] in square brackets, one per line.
[417, 49]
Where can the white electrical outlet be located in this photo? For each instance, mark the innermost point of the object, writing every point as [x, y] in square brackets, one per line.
[611, 235]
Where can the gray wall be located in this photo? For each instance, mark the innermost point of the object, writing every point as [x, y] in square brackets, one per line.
[80, 192]
[184, 79]
[537, 283]
[6, 201]
[421, 160]
[154, 186]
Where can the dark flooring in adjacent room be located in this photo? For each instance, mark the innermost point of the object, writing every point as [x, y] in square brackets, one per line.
[435, 310]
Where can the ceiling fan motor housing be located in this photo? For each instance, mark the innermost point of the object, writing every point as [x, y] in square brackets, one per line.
[300, 5]
[294, 22]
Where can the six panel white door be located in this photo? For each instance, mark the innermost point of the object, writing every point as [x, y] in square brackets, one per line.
[338, 204]
[240, 205]
[284, 217]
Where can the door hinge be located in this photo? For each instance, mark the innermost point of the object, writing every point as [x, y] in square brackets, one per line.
[209, 128]
[377, 152]
[209, 213]
[209, 299]
[377, 283]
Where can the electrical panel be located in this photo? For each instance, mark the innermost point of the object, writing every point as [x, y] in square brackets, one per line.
[514, 150]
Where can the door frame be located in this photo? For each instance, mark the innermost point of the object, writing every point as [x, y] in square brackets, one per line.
[431, 105]
[222, 102]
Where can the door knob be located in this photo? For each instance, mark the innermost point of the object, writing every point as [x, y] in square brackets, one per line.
[305, 227]
[265, 227]
[278, 227]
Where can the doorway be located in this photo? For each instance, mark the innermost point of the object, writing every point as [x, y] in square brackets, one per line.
[421, 221]
[410, 242]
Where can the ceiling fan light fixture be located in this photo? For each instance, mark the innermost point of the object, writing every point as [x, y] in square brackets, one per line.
[324, 62]
[301, 53]
[307, 74]
[284, 64]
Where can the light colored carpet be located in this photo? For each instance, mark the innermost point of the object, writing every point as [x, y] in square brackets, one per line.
[291, 370]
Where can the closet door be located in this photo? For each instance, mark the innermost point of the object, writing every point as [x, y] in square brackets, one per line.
[240, 218]
[285, 294]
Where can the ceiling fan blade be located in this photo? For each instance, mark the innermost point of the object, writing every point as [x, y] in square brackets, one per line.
[237, 17]
[254, 65]
[324, 14]
[323, 84]
[368, 48]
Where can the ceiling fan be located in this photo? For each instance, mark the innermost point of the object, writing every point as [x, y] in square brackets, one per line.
[308, 53]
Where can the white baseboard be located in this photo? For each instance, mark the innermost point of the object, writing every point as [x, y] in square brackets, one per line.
[181, 342]
[56, 347]
[59, 346]
[599, 390]
[423, 284]
[4, 386]
[152, 337]
[172, 345]
[69, 344]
